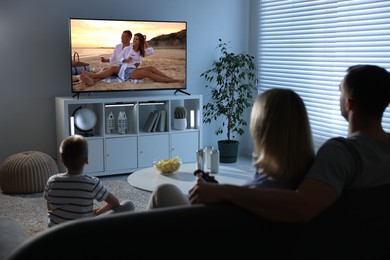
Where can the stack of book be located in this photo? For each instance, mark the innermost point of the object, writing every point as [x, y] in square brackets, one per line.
[155, 121]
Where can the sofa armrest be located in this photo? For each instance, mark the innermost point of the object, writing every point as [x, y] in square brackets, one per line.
[164, 230]
[11, 236]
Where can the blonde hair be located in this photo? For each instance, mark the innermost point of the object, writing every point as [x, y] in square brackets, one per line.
[280, 128]
[74, 152]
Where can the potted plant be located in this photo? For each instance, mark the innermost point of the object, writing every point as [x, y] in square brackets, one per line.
[233, 82]
[180, 118]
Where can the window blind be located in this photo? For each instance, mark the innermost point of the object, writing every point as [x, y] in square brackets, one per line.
[308, 45]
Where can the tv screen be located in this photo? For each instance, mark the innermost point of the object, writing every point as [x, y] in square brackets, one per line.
[94, 68]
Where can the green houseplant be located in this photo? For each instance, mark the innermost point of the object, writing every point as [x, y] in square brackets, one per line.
[180, 118]
[180, 112]
[232, 81]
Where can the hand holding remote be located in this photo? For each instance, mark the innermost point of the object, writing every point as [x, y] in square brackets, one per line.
[205, 175]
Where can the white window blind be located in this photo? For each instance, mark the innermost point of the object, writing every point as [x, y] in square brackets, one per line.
[308, 45]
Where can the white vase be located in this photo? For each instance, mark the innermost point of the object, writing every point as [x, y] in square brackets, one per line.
[180, 123]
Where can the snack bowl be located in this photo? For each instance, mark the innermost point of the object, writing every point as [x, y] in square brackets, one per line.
[168, 166]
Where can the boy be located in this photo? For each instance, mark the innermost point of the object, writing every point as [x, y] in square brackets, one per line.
[70, 195]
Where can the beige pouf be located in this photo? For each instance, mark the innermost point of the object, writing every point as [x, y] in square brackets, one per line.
[26, 172]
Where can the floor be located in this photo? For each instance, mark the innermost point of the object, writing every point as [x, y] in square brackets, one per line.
[243, 162]
[30, 209]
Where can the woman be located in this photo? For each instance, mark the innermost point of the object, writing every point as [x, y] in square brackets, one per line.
[283, 153]
[283, 145]
[134, 57]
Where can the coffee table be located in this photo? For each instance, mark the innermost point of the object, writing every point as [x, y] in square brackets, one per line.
[148, 178]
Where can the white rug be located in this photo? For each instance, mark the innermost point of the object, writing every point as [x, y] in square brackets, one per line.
[30, 209]
[31, 212]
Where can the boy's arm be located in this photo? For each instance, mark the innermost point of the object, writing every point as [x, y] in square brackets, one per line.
[48, 205]
[111, 203]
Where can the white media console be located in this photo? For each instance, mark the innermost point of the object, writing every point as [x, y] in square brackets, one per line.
[113, 153]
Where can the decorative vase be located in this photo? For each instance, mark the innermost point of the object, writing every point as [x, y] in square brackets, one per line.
[228, 151]
[180, 123]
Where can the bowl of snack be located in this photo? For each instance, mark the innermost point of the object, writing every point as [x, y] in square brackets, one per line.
[168, 166]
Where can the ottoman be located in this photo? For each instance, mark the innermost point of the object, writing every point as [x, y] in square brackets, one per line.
[26, 172]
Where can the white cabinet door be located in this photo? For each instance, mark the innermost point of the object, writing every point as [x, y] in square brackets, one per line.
[95, 157]
[185, 145]
[152, 147]
[121, 154]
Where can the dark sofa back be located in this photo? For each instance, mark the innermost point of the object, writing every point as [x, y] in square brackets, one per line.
[357, 225]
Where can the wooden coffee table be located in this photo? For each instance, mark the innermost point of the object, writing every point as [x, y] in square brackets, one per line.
[148, 178]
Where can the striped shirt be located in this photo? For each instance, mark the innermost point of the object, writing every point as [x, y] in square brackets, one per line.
[72, 196]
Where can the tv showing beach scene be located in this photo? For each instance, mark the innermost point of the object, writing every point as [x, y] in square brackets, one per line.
[105, 57]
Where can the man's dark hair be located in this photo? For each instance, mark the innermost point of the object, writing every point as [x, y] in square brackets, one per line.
[369, 87]
[128, 32]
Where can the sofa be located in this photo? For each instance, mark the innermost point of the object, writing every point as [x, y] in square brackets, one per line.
[11, 235]
[356, 226]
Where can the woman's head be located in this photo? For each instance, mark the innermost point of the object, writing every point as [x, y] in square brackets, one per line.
[280, 129]
[139, 42]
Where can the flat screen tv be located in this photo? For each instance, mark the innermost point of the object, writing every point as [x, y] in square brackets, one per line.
[92, 39]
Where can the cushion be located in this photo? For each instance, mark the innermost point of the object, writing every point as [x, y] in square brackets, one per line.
[26, 172]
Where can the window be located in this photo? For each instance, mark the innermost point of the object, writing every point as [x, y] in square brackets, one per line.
[308, 45]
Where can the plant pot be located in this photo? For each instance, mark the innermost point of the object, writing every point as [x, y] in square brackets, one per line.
[180, 123]
[228, 151]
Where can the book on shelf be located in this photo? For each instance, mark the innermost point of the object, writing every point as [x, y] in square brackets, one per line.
[155, 123]
[148, 126]
[162, 119]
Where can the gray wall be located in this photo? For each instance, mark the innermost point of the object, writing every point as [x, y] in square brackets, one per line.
[34, 55]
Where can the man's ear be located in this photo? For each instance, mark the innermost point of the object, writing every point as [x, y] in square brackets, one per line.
[349, 104]
[86, 160]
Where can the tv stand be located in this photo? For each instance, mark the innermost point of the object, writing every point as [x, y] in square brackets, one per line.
[115, 152]
[182, 91]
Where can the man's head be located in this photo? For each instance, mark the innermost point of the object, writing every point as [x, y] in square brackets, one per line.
[74, 152]
[366, 90]
[126, 37]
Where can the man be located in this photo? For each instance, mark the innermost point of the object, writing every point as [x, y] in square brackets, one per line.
[362, 160]
[115, 57]
[116, 60]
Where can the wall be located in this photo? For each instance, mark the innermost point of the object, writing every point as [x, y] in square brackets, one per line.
[34, 52]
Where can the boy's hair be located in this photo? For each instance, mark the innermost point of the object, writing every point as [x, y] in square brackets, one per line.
[74, 152]
[369, 87]
[280, 127]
